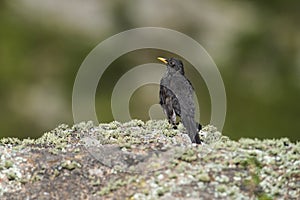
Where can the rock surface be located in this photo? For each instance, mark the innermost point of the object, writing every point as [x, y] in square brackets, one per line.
[137, 160]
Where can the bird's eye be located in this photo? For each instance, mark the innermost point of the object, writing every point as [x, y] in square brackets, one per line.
[172, 63]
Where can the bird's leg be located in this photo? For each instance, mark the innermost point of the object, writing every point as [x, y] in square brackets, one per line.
[198, 140]
[173, 124]
[199, 126]
[173, 120]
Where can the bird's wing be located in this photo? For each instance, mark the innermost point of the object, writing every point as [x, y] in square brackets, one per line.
[184, 92]
[167, 97]
[168, 101]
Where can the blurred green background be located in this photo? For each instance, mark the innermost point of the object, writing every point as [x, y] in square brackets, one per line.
[255, 44]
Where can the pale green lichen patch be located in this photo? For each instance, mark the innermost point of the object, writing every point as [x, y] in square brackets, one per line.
[115, 185]
[10, 141]
[147, 160]
[70, 165]
[189, 155]
[204, 177]
[209, 134]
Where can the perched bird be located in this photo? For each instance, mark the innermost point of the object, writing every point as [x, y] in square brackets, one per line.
[176, 96]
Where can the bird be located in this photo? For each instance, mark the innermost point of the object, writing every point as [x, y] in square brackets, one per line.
[176, 97]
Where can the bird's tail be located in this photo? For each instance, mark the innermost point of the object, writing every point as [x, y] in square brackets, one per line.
[192, 128]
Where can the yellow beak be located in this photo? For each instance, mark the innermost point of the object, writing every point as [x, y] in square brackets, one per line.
[163, 60]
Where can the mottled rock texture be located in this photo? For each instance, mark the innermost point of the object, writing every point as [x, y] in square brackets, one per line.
[146, 160]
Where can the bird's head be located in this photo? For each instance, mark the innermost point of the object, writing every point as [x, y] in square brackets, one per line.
[173, 63]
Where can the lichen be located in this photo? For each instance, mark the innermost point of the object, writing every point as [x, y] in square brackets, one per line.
[204, 177]
[70, 165]
[189, 155]
[162, 162]
[115, 185]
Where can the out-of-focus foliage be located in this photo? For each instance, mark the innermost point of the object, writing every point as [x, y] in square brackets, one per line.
[256, 45]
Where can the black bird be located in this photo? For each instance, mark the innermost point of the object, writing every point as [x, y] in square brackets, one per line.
[176, 97]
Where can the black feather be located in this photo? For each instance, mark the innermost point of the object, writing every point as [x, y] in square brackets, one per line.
[177, 98]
